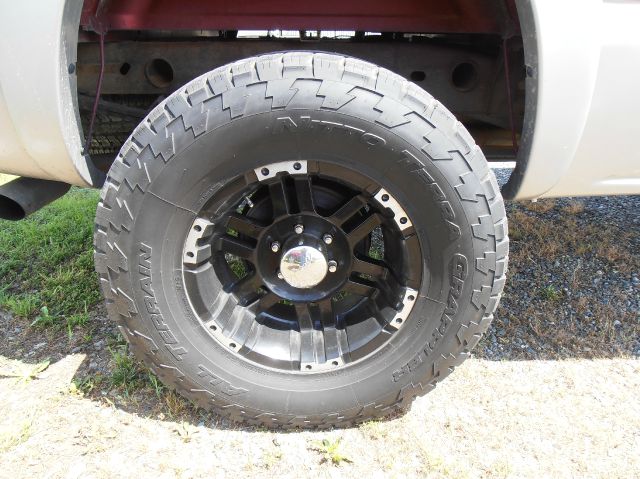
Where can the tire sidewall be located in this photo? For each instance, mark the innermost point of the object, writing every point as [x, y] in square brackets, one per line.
[424, 187]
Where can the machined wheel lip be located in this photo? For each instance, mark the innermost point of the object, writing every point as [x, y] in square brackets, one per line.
[198, 249]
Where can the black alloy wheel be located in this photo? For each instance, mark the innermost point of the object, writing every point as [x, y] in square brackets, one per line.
[296, 250]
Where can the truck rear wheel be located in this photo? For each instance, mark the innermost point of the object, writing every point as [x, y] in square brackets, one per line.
[301, 240]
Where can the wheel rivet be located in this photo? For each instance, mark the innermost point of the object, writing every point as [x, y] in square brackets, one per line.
[298, 229]
[333, 266]
[275, 246]
[328, 239]
[280, 276]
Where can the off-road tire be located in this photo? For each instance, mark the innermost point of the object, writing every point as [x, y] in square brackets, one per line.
[434, 169]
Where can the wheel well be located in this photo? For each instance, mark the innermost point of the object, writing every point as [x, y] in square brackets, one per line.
[475, 57]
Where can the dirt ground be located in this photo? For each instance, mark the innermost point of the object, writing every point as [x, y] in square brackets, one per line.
[574, 418]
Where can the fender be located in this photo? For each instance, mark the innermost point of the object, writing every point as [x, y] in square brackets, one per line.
[40, 131]
[580, 129]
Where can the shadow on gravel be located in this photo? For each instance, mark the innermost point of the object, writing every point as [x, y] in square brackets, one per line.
[573, 291]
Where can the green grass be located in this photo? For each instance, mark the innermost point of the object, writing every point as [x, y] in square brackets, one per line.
[11, 438]
[46, 263]
[126, 374]
[551, 293]
[85, 385]
[331, 451]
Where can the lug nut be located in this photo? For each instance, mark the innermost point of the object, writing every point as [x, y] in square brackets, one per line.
[328, 239]
[333, 266]
[280, 276]
[275, 246]
[298, 229]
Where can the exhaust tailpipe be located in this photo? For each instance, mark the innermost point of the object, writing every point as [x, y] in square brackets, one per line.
[23, 196]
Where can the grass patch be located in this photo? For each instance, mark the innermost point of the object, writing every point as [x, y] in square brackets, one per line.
[11, 438]
[176, 406]
[374, 429]
[535, 236]
[551, 293]
[85, 385]
[126, 374]
[25, 373]
[70, 321]
[46, 263]
[156, 386]
[331, 451]
[574, 207]
[24, 305]
[541, 206]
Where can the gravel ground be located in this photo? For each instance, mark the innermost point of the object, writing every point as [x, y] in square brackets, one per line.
[573, 287]
[552, 391]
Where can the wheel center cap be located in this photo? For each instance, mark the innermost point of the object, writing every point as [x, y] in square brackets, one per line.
[303, 267]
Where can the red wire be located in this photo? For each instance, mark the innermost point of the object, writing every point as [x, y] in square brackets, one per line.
[514, 141]
[94, 110]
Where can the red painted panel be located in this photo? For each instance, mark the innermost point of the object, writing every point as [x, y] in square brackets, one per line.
[444, 16]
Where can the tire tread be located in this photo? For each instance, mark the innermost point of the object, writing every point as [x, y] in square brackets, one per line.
[208, 102]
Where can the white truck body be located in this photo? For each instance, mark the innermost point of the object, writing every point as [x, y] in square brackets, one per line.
[581, 123]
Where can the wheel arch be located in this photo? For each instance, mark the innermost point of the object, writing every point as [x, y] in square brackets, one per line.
[527, 20]
[580, 83]
[41, 131]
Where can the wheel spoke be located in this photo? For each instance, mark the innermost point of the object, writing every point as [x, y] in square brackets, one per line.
[307, 334]
[363, 229]
[325, 310]
[360, 287]
[378, 315]
[246, 289]
[266, 302]
[304, 194]
[279, 200]
[239, 327]
[392, 287]
[334, 339]
[244, 225]
[348, 210]
[382, 279]
[371, 267]
[237, 247]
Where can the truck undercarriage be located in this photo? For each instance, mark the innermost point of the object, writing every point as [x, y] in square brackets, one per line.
[469, 55]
